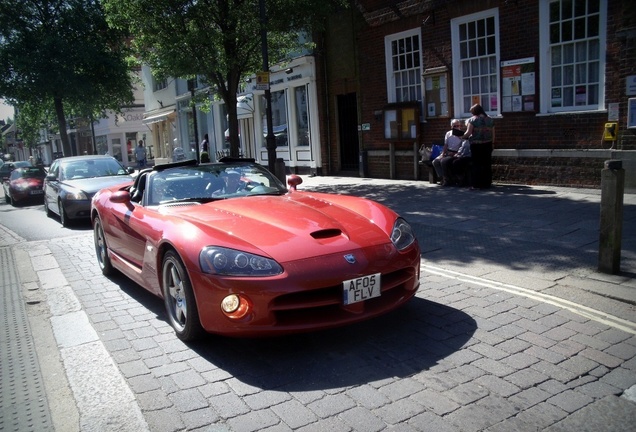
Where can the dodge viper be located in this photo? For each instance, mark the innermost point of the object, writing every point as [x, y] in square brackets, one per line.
[233, 251]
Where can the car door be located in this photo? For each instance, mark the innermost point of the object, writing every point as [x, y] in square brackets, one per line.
[52, 187]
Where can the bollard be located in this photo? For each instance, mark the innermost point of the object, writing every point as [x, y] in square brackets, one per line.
[611, 223]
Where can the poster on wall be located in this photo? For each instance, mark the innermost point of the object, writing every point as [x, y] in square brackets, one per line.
[518, 85]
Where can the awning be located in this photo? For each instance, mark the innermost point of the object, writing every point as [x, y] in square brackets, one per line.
[245, 106]
[157, 116]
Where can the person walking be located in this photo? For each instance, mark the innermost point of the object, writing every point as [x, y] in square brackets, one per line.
[481, 133]
[205, 144]
[140, 154]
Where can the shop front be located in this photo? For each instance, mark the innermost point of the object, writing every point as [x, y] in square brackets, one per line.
[294, 117]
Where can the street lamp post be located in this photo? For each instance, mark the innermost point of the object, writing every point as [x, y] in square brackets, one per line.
[270, 139]
[191, 84]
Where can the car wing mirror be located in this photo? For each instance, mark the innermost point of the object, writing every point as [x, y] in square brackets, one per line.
[293, 181]
[120, 197]
[51, 177]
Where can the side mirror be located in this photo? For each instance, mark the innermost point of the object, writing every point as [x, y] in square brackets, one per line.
[120, 197]
[293, 181]
[51, 177]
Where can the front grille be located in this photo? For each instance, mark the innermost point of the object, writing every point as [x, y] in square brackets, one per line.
[325, 305]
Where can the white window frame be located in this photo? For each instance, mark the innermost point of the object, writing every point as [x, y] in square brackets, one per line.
[458, 78]
[546, 62]
[391, 86]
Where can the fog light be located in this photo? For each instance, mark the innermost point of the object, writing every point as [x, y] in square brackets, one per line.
[235, 306]
[230, 303]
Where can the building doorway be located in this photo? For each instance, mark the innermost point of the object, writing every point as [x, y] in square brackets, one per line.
[348, 132]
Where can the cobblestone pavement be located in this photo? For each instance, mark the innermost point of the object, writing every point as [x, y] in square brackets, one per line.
[500, 337]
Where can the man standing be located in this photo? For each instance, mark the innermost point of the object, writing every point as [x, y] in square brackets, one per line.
[140, 154]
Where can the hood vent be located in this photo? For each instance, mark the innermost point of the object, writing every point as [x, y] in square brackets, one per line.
[326, 233]
[182, 204]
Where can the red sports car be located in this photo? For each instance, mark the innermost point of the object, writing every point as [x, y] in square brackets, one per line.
[232, 251]
[24, 184]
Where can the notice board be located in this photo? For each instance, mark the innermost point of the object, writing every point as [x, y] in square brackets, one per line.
[436, 92]
[518, 85]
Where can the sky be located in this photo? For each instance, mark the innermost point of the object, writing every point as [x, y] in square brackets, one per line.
[6, 111]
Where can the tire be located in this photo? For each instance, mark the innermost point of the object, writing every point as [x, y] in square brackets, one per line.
[66, 222]
[47, 210]
[101, 249]
[181, 306]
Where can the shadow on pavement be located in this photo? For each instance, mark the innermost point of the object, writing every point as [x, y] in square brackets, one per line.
[514, 226]
[409, 340]
[402, 343]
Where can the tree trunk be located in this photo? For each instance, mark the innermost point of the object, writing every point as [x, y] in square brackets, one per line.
[61, 121]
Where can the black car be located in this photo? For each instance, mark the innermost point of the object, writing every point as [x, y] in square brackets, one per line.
[7, 167]
[72, 182]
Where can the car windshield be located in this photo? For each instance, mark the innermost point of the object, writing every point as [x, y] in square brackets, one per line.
[87, 168]
[31, 172]
[212, 182]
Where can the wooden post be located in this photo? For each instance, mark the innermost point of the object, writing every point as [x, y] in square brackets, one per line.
[611, 222]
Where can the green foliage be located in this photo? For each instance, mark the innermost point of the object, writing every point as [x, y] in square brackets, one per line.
[219, 40]
[64, 53]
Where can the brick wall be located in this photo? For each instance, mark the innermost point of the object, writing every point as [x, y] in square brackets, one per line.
[519, 38]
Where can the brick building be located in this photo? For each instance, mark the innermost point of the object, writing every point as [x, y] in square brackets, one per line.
[552, 73]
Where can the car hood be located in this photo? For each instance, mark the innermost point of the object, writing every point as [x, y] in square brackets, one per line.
[93, 184]
[294, 226]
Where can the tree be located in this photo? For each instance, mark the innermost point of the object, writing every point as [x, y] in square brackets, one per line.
[62, 55]
[219, 40]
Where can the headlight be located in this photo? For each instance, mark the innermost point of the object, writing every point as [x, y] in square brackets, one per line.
[402, 235]
[231, 262]
[75, 195]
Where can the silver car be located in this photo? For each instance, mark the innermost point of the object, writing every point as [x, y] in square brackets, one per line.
[72, 181]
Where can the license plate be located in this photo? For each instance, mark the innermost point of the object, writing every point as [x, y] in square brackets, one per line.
[37, 192]
[361, 289]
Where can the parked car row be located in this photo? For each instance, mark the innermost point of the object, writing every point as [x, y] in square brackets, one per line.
[66, 188]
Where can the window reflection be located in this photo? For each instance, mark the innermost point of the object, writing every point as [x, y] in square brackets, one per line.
[302, 117]
[279, 119]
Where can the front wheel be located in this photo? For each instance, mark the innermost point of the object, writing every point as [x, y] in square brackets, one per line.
[179, 298]
[101, 249]
[66, 222]
[47, 210]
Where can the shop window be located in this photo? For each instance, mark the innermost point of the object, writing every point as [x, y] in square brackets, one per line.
[101, 142]
[279, 119]
[302, 116]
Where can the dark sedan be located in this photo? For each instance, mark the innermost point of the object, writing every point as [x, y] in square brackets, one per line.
[24, 184]
[72, 182]
[7, 167]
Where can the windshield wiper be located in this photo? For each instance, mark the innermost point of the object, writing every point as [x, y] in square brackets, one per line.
[192, 199]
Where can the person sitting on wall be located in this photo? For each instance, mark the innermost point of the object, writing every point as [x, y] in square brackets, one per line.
[452, 143]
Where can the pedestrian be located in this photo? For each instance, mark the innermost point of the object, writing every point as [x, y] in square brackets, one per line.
[140, 154]
[452, 142]
[205, 144]
[481, 133]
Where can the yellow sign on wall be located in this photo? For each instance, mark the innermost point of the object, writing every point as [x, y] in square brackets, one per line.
[611, 129]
